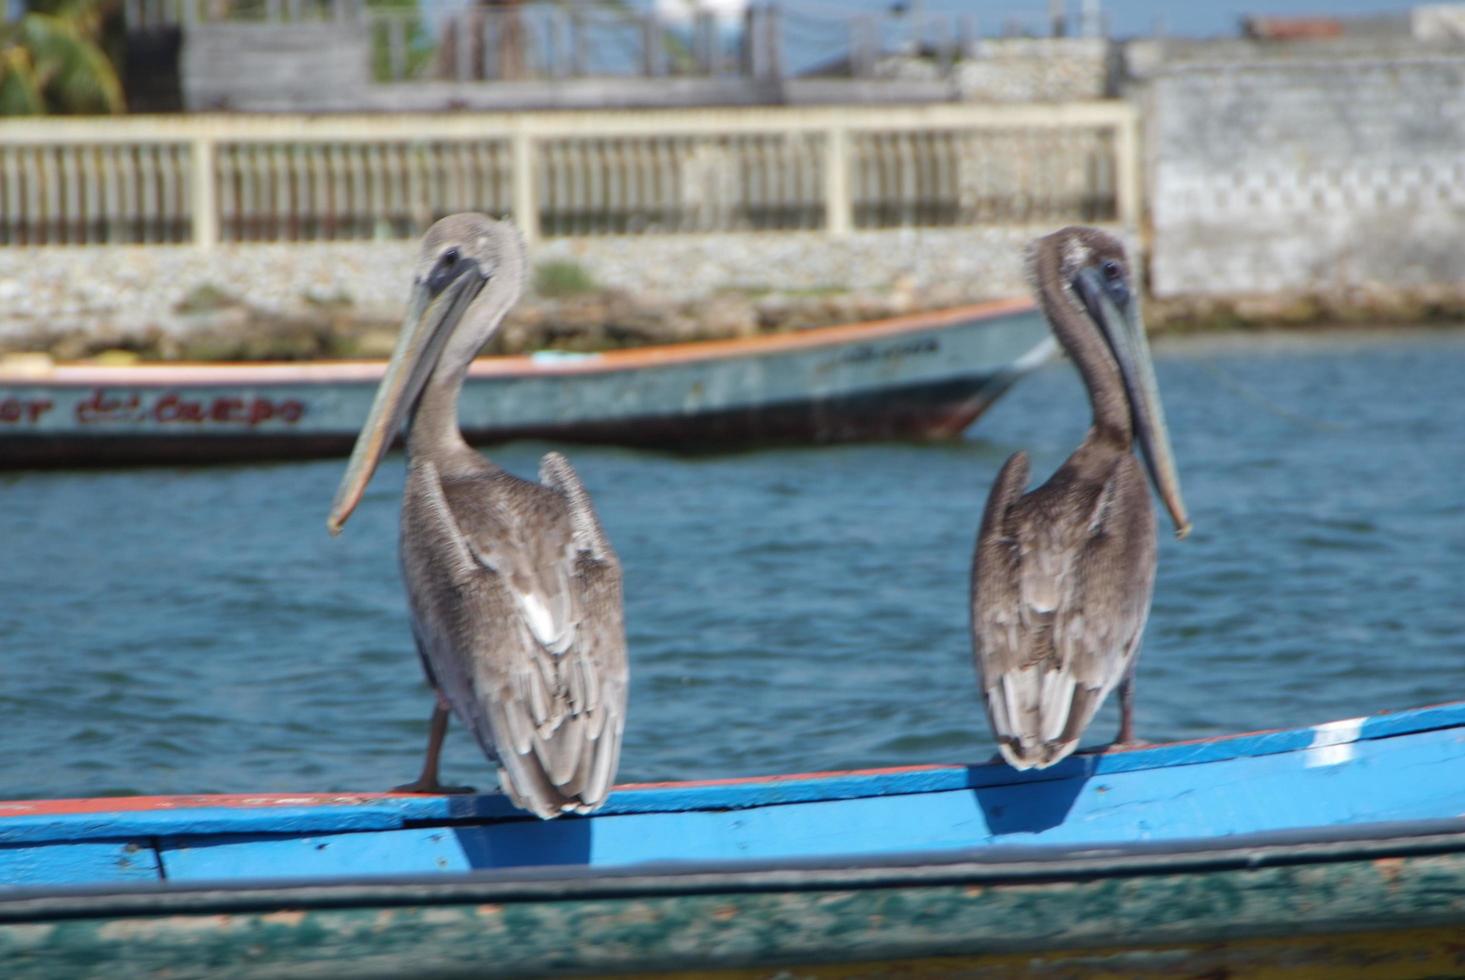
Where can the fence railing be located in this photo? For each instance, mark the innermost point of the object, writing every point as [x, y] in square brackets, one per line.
[211, 179]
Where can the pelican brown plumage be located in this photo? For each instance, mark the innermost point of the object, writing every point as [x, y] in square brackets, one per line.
[1062, 576]
[514, 590]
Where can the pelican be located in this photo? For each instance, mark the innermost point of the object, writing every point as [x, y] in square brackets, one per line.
[514, 590]
[1062, 575]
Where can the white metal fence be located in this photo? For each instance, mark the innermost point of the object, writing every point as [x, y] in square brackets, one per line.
[209, 179]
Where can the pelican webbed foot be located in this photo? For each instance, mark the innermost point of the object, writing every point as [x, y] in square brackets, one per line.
[432, 787]
[1127, 744]
[427, 781]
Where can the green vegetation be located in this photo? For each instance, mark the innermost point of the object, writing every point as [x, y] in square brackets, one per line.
[418, 47]
[53, 60]
[560, 278]
[205, 299]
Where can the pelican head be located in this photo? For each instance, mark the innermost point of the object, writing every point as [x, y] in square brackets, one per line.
[468, 274]
[1084, 273]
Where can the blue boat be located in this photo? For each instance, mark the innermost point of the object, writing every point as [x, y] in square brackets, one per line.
[1335, 850]
[927, 376]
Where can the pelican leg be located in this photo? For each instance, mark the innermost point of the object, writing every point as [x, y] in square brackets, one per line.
[427, 781]
[1126, 739]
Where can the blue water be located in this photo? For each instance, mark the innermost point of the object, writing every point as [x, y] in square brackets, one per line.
[197, 630]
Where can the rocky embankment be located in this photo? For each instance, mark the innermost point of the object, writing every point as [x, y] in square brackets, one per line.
[223, 328]
[1359, 306]
[229, 330]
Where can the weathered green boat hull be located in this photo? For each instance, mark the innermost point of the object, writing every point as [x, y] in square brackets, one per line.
[1377, 908]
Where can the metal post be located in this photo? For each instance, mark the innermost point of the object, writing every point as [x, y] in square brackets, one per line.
[396, 49]
[945, 47]
[559, 30]
[773, 42]
[1058, 17]
[702, 42]
[838, 209]
[204, 201]
[492, 68]
[747, 44]
[652, 61]
[526, 208]
[579, 45]
[462, 47]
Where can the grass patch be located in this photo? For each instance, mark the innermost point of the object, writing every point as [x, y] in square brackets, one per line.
[204, 299]
[558, 279]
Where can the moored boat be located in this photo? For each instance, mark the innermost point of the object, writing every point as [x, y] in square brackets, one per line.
[922, 376]
[1335, 850]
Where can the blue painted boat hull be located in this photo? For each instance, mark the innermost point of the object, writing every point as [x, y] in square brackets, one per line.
[1337, 850]
[1408, 766]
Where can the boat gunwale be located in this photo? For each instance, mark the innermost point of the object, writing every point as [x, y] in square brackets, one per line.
[267, 373]
[114, 818]
[968, 867]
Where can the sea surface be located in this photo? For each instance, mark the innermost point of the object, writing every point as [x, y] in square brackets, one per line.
[197, 630]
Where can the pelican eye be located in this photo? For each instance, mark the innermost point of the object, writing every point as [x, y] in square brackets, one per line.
[449, 266]
[1114, 282]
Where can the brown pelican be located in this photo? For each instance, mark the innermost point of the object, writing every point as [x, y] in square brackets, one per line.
[1062, 575]
[514, 591]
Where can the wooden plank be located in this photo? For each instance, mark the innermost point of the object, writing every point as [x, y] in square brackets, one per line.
[78, 820]
[92, 863]
[427, 850]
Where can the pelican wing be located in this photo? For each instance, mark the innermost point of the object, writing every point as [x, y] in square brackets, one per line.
[1060, 592]
[535, 638]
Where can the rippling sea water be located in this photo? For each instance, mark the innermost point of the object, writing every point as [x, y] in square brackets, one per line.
[191, 630]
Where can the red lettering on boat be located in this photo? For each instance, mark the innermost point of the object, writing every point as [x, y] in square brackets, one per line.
[98, 407]
[169, 408]
[228, 410]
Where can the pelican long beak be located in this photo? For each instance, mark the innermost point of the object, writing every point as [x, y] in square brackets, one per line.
[1125, 331]
[430, 322]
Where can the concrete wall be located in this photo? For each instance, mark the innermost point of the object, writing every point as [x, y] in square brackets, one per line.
[1320, 170]
[1035, 70]
[272, 67]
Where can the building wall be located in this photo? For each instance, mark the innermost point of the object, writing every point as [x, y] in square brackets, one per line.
[1035, 70]
[273, 67]
[1307, 173]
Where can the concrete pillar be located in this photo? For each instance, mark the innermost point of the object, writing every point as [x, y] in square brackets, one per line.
[203, 203]
[838, 207]
[525, 201]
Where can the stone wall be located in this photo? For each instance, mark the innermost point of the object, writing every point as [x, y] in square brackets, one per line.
[1309, 169]
[121, 296]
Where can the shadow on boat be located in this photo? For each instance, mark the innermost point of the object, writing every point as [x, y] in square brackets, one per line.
[1032, 805]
